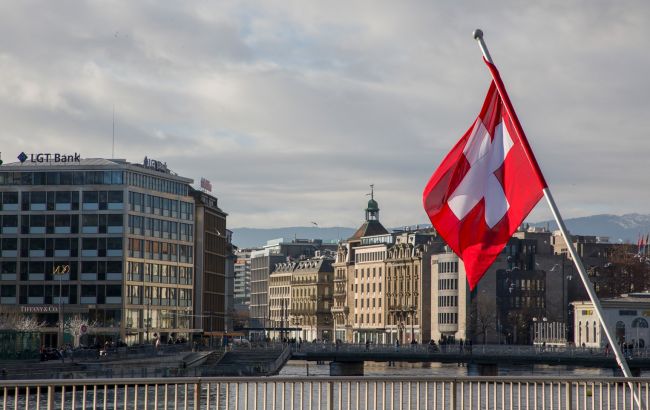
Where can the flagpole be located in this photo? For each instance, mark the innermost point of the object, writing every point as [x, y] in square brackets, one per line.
[478, 35]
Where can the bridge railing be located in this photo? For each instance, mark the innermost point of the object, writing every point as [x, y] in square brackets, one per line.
[327, 393]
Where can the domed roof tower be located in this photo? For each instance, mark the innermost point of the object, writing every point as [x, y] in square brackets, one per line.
[371, 226]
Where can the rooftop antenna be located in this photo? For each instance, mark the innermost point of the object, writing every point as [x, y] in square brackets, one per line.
[113, 149]
[372, 191]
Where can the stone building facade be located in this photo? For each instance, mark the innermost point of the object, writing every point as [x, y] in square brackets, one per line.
[312, 285]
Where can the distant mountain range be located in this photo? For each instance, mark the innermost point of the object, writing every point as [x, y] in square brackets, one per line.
[623, 228]
[619, 228]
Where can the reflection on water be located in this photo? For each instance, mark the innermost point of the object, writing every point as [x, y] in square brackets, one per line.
[303, 368]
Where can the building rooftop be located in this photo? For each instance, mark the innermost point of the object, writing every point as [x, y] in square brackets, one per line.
[148, 166]
[369, 228]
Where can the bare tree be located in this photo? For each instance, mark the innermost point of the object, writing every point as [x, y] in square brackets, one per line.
[20, 323]
[482, 320]
[73, 326]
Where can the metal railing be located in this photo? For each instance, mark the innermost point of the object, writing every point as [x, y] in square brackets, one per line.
[326, 393]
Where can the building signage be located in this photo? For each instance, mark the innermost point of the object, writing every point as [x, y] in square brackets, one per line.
[205, 184]
[39, 309]
[49, 157]
[154, 164]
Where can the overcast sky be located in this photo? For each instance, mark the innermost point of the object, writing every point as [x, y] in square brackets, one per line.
[292, 108]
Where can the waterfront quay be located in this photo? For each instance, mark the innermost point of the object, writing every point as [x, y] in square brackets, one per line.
[327, 393]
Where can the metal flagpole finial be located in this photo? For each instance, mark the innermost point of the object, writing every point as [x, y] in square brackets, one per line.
[478, 36]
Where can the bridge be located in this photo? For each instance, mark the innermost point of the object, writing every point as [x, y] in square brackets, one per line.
[348, 359]
[332, 393]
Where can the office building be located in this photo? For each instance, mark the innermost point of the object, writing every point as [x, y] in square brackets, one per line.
[108, 241]
[242, 268]
[212, 252]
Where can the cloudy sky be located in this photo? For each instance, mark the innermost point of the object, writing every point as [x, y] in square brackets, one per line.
[292, 108]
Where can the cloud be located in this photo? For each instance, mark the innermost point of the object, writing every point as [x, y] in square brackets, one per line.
[293, 109]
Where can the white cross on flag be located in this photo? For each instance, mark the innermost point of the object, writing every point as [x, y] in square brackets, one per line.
[485, 186]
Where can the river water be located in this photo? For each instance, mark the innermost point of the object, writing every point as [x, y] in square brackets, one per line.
[303, 368]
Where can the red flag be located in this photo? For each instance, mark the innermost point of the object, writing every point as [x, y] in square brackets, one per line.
[485, 186]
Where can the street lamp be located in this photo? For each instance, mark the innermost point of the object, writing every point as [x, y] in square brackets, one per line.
[60, 271]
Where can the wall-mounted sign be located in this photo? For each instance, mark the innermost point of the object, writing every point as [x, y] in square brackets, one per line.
[49, 157]
[154, 164]
[39, 309]
[205, 184]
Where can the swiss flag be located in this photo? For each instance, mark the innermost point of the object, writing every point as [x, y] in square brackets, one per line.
[485, 186]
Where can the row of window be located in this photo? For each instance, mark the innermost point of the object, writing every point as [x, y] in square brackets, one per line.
[157, 184]
[366, 272]
[370, 256]
[62, 224]
[355, 287]
[44, 270]
[70, 294]
[159, 273]
[359, 318]
[164, 251]
[527, 301]
[367, 302]
[62, 178]
[447, 267]
[400, 286]
[447, 318]
[157, 318]
[158, 296]
[160, 228]
[530, 284]
[447, 284]
[445, 301]
[94, 178]
[152, 204]
[62, 247]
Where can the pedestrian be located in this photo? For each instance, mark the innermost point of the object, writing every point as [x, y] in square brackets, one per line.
[397, 345]
[367, 345]
[607, 349]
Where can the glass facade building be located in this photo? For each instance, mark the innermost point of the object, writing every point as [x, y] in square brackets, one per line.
[121, 237]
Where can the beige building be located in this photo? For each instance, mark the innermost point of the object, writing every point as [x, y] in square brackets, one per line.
[408, 286]
[369, 309]
[312, 284]
[343, 296]
[382, 283]
[280, 298]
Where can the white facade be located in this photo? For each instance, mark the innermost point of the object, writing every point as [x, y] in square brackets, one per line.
[449, 297]
[627, 318]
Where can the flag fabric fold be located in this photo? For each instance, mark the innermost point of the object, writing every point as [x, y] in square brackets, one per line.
[485, 186]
